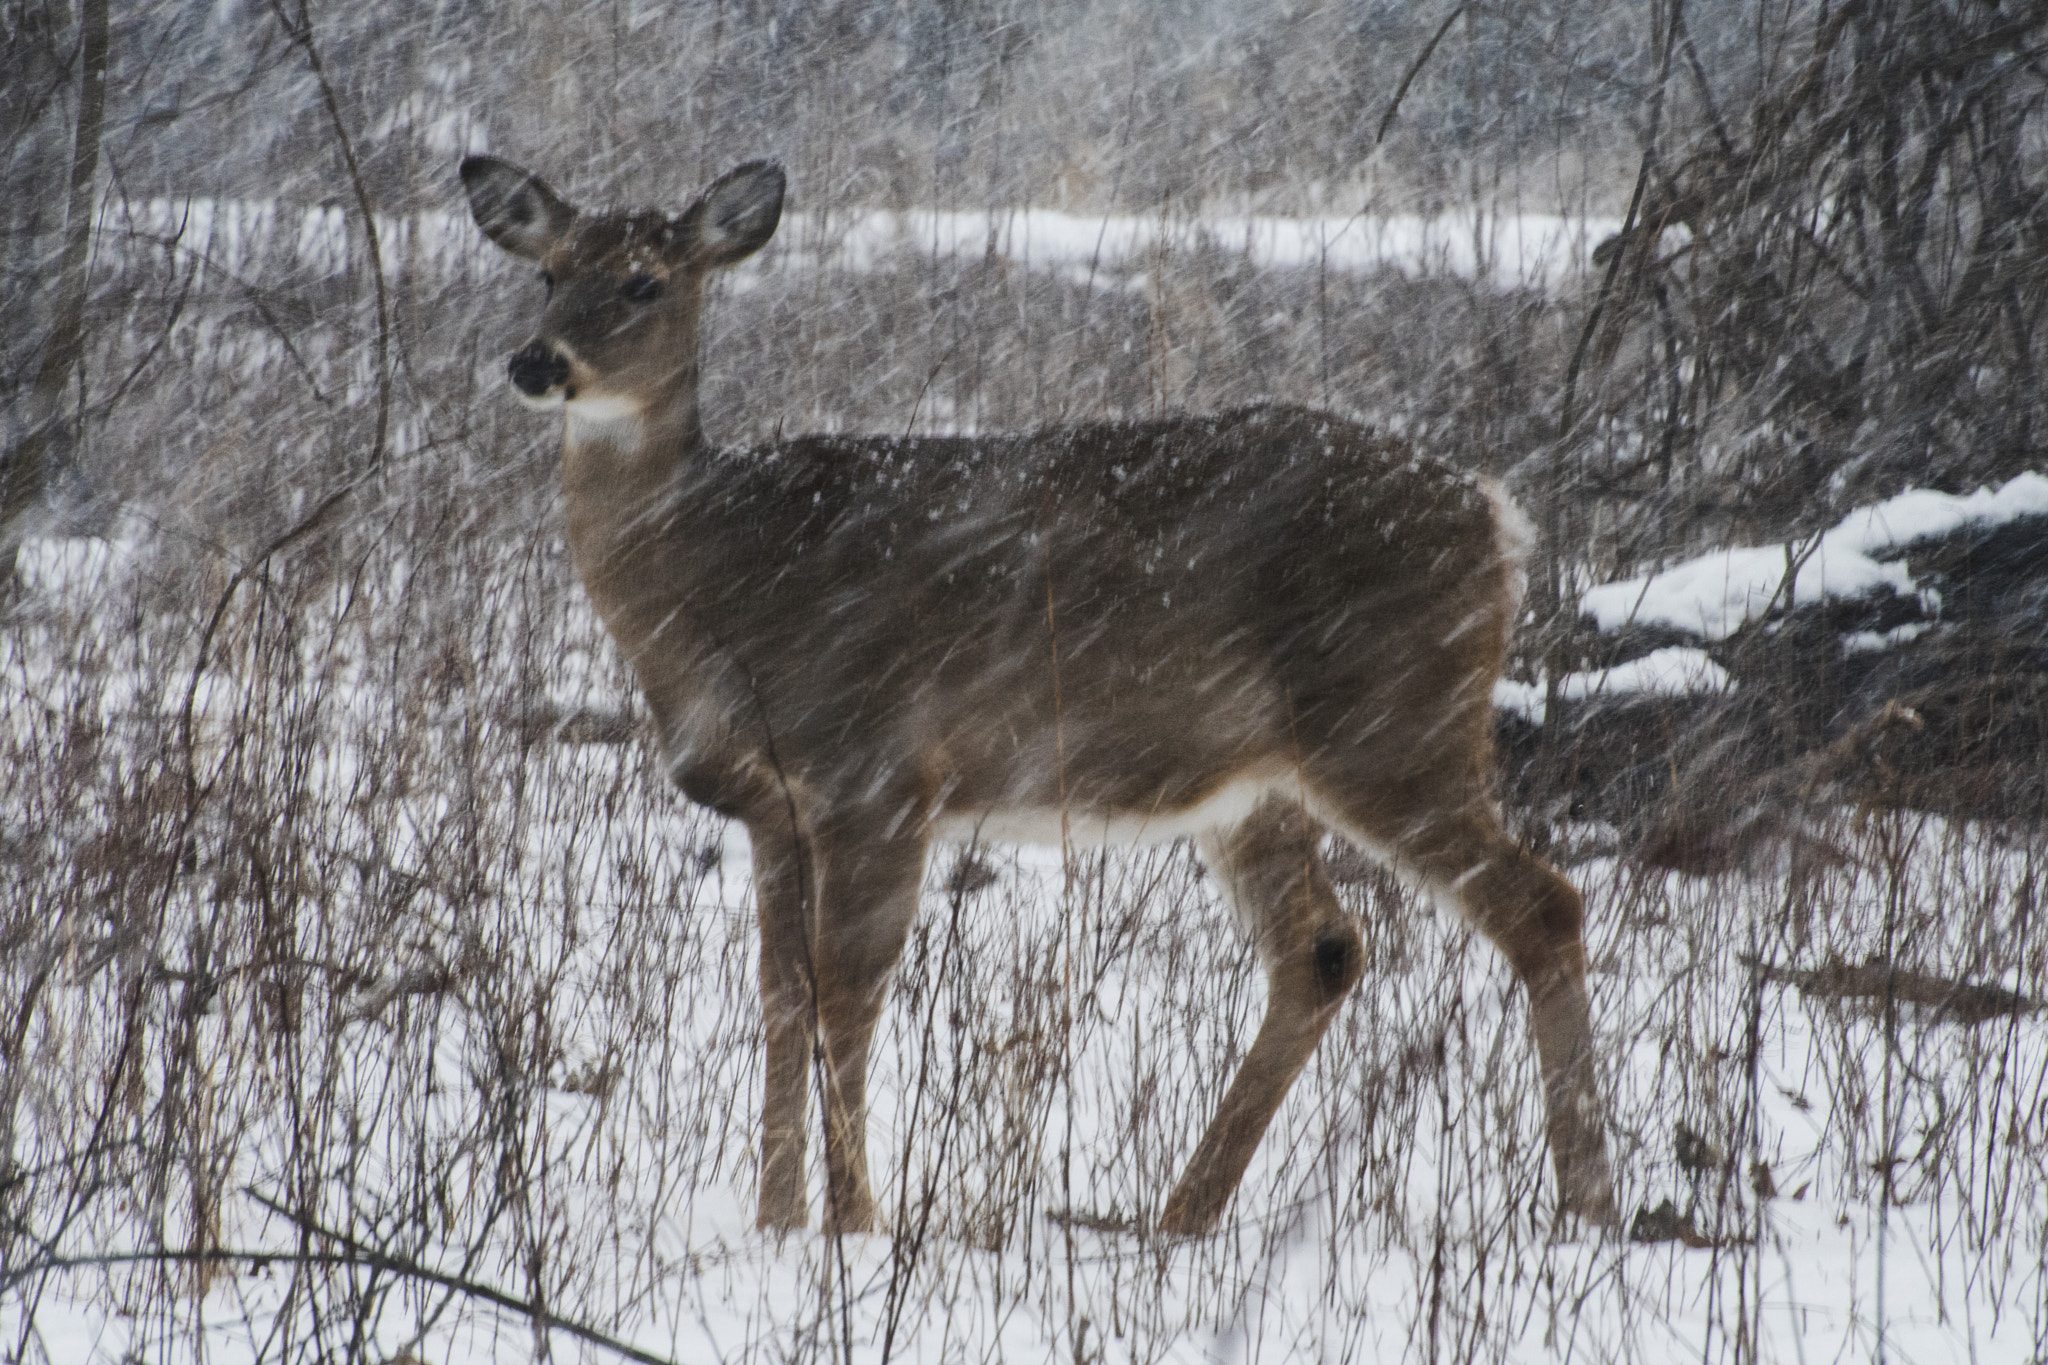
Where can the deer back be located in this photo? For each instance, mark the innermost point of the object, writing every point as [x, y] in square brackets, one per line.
[1121, 616]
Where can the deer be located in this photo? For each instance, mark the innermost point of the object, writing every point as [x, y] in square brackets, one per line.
[1249, 628]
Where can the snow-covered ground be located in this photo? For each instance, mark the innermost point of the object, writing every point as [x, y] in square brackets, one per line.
[571, 1113]
[1504, 248]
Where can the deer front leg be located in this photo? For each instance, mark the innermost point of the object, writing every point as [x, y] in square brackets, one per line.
[1273, 873]
[869, 890]
[783, 888]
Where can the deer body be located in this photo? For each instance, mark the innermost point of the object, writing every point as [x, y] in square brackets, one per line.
[1243, 627]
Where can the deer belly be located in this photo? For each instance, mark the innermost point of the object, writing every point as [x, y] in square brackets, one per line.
[1092, 823]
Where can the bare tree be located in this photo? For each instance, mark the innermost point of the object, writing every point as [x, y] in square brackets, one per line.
[26, 471]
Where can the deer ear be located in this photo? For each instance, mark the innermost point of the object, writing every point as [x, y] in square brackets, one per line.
[514, 207]
[734, 218]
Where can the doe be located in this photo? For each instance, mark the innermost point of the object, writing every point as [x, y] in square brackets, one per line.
[1247, 627]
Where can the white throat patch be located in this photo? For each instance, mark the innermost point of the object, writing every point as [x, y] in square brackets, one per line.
[604, 420]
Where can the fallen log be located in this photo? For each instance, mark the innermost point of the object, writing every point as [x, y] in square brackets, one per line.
[1964, 1001]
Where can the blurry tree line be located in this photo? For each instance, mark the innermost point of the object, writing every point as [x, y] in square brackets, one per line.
[1835, 266]
[1834, 279]
[1830, 288]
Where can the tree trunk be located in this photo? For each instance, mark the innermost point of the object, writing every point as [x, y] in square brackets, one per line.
[25, 473]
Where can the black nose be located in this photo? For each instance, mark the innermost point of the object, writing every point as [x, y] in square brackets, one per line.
[537, 367]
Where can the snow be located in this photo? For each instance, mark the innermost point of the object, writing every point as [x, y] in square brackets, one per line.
[1871, 641]
[51, 564]
[1717, 594]
[1678, 670]
[1674, 671]
[1503, 249]
[1921, 514]
[1093, 1009]
[1395, 1210]
[1300, 1270]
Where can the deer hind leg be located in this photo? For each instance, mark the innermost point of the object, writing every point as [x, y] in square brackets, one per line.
[1273, 872]
[869, 889]
[1536, 919]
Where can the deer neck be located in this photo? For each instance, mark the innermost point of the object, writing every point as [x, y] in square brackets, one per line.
[621, 469]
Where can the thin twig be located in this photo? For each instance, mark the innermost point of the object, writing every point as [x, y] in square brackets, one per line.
[1414, 70]
[357, 1257]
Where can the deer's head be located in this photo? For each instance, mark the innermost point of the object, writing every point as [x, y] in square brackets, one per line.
[619, 334]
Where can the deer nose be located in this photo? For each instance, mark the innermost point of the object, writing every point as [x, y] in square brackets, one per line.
[537, 367]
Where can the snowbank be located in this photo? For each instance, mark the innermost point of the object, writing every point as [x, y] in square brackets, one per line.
[1531, 250]
[1717, 594]
[1506, 250]
[1674, 672]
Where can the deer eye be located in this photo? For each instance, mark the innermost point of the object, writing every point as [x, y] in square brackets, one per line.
[547, 282]
[640, 288]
